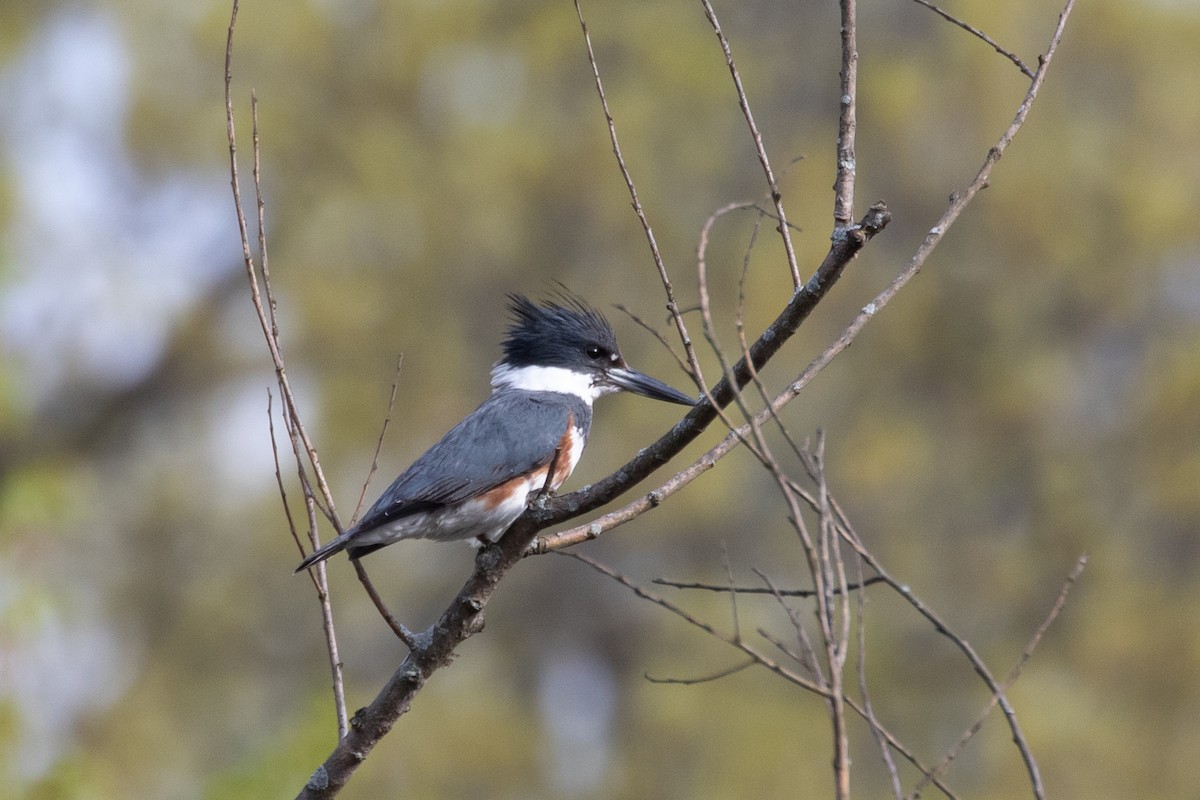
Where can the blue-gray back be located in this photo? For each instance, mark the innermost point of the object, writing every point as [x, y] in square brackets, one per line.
[512, 433]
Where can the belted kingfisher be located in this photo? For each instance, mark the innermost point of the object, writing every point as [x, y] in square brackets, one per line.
[558, 358]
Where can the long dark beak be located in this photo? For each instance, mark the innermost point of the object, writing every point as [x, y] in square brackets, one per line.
[633, 381]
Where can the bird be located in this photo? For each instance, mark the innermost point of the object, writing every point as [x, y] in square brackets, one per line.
[559, 356]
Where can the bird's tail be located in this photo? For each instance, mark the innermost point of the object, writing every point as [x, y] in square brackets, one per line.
[330, 548]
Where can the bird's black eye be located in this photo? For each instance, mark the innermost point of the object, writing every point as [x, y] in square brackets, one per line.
[594, 352]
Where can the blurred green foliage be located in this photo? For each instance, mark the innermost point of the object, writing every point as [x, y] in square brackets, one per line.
[1033, 396]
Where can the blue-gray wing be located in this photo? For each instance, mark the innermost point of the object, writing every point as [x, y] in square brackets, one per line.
[510, 434]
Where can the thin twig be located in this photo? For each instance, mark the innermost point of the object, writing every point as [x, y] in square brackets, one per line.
[716, 676]
[757, 448]
[808, 652]
[702, 285]
[979, 34]
[270, 333]
[800, 658]
[864, 692]
[759, 149]
[287, 509]
[833, 562]
[261, 210]
[735, 618]
[316, 576]
[402, 633]
[834, 610]
[660, 265]
[661, 339]
[967, 650]
[1009, 680]
[759, 658]
[387, 419]
[716, 587]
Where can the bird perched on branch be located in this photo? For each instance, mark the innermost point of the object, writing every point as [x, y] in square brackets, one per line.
[559, 356]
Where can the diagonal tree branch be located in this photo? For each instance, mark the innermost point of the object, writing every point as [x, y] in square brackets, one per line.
[1021, 65]
[777, 333]
[434, 648]
[846, 245]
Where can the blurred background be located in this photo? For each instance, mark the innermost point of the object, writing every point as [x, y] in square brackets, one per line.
[1033, 396]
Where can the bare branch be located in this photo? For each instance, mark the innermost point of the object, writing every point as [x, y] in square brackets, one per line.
[808, 653]
[716, 676]
[979, 34]
[759, 148]
[287, 509]
[387, 419]
[715, 587]
[847, 159]
[270, 333]
[958, 202]
[756, 447]
[733, 641]
[402, 633]
[672, 306]
[868, 710]
[429, 651]
[563, 507]
[767, 344]
[434, 648]
[683, 365]
[1009, 680]
[829, 572]
[760, 659]
[967, 650]
[733, 606]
